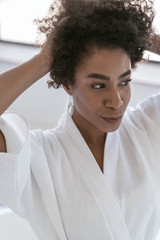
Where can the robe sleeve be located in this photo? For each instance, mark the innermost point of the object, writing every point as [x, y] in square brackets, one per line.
[146, 118]
[15, 164]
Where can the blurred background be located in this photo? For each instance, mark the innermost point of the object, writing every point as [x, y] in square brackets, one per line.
[42, 106]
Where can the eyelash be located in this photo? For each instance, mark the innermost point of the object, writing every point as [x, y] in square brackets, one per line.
[126, 82]
[102, 85]
[95, 86]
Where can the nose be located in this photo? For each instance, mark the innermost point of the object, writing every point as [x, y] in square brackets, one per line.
[113, 99]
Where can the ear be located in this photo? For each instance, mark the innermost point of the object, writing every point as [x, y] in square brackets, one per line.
[68, 88]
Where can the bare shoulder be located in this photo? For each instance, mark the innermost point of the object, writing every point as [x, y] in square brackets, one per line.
[2, 142]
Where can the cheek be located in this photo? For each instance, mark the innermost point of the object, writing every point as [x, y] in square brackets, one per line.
[129, 94]
[126, 96]
[84, 102]
[80, 101]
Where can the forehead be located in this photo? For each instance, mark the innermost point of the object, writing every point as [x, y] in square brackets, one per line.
[105, 61]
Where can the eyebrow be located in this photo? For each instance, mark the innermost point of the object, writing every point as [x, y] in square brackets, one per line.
[104, 77]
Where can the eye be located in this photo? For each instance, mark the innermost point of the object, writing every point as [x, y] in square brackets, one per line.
[125, 83]
[98, 85]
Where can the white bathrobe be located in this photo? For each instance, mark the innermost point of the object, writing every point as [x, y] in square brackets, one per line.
[51, 178]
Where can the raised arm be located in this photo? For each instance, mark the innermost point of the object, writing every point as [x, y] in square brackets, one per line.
[18, 79]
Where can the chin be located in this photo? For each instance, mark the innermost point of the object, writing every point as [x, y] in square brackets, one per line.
[112, 129]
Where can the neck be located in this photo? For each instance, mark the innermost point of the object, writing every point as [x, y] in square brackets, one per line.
[91, 135]
[93, 138]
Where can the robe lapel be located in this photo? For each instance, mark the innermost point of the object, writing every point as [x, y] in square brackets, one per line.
[110, 164]
[96, 180]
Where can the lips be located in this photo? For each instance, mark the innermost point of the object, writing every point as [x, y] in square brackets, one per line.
[112, 120]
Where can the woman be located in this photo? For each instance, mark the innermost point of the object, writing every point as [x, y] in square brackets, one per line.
[96, 175]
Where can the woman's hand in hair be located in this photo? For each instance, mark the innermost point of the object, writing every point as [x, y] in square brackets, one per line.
[154, 44]
[46, 53]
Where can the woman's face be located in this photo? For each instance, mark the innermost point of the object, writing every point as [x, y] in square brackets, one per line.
[101, 91]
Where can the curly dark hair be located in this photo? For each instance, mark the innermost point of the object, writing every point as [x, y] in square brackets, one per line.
[79, 25]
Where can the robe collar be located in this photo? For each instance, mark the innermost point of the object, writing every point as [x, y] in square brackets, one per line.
[96, 179]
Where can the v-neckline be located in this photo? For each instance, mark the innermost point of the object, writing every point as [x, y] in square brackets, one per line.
[81, 155]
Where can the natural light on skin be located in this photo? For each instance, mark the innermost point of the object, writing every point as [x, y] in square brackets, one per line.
[101, 92]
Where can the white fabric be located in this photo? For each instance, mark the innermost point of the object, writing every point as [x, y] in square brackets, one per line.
[52, 179]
